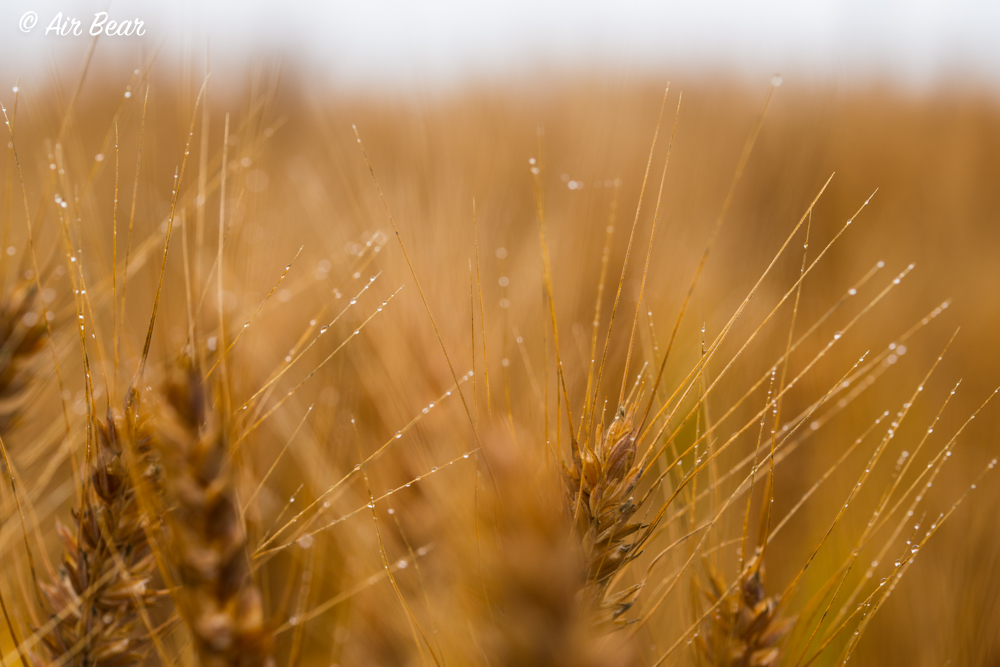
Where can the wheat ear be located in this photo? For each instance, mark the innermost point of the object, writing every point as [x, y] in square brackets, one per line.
[599, 486]
[744, 629]
[103, 584]
[216, 596]
[22, 336]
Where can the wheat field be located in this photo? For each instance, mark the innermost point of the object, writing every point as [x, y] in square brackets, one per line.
[533, 373]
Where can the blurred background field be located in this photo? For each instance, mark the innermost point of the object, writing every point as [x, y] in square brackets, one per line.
[299, 181]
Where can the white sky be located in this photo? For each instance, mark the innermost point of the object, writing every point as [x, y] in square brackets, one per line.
[396, 42]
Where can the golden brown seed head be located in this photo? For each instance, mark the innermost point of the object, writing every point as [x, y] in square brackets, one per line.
[216, 597]
[534, 582]
[22, 336]
[107, 566]
[744, 629]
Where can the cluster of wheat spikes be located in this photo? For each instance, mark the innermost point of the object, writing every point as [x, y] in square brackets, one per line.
[598, 536]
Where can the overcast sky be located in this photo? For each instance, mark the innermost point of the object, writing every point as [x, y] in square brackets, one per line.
[388, 43]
